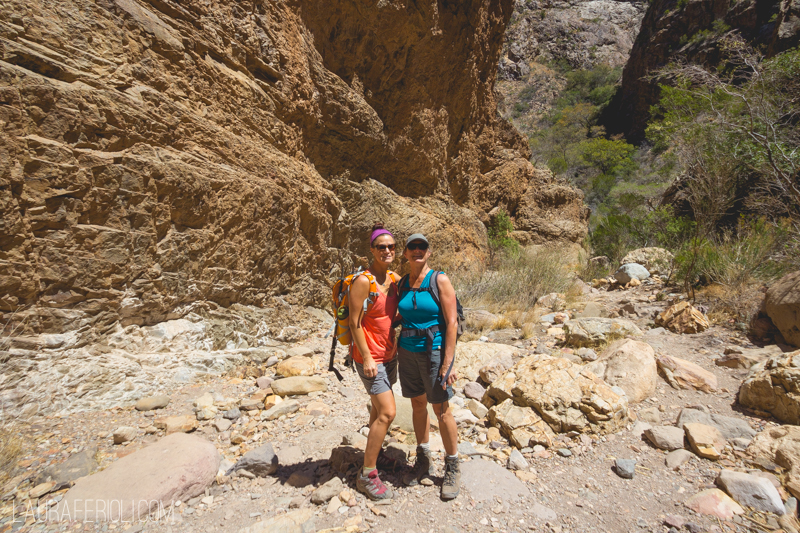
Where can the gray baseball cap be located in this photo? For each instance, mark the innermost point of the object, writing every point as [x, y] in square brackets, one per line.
[417, 237]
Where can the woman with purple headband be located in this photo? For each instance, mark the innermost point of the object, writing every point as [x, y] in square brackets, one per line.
[373, 349]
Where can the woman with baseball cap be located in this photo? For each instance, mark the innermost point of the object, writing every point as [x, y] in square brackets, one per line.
[426, 352]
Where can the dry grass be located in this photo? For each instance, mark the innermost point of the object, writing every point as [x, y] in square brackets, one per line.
[518, 281]
[10, 451]
[738, 303]
[528, 330]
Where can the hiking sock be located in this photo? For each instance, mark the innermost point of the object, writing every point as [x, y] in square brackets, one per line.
[452, 457]
[366, 471]
[425, 446]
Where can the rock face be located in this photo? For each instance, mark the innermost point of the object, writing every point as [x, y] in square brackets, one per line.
[181, 151]
[471, 357]
[773, 386]
[663, 37]
[782, 304]
[177, 467]
[582, 34]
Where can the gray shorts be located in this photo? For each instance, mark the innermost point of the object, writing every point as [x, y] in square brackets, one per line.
[419, 374]
[383, 381]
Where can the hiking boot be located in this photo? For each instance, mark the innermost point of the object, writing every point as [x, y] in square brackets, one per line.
[372, 486]
[387, 463]
[423, 466]
[452, 478]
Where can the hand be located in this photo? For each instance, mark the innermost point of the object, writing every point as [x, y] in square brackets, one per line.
[452, 378]
[370, 367]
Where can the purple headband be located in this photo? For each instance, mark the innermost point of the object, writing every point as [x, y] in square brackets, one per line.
[378, 232]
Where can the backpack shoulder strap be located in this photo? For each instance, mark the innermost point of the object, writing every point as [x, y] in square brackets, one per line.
[402, 283]
[433, 288]
[394, 276]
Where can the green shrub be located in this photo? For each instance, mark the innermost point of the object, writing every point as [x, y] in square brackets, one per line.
[500, 240]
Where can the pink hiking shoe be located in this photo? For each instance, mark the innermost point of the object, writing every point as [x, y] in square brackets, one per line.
[372, 486]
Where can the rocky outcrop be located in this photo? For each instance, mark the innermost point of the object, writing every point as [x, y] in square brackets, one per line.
[781, 446]
[773, 387]
[156, 152]
[583, 34]
[782, 305]
[566, 396]
[541, 34]
[689, 31]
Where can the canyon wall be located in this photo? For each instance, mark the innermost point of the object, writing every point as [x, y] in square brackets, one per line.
[689, 31]
[154, 153]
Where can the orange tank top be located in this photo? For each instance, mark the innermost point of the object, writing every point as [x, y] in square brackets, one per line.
[378, 330]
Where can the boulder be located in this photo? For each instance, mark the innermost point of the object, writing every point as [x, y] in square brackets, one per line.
[665, 437]
[496, 367]
[327, 491]
[730, 427]
[714, 502]
[631, 366]
[204, 401]
[631, 271]
[176, 424]
[782, 305]
[516, 461]
[300, 351]
[682, 374]
[261, 462]
[298, 385]
[477, 408]
[593, 310]
[177, 467]
[152, 402]
[124, 434]
[751, 491]
[683, 318]
[76, 466]
[297, 365]
[706, 441]
[284, 408]
[565, 395]
[655, 260]
[522, 426]
[590, 332]
[474, 390]
[779, 446]
[677, 458]
[746, 357]
[472, 356]
[773, 386]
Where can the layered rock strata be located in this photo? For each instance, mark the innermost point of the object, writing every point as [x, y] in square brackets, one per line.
[158, 152]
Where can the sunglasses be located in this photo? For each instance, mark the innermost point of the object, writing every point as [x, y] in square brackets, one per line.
[384, 247]
[417, 246]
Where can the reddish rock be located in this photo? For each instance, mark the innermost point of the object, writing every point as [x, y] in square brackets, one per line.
[714, 502]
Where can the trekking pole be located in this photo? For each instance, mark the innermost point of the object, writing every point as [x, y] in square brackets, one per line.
[332, 368]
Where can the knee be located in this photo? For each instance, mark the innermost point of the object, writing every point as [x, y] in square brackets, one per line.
[387, 416]
[419, 404]
[442, 411]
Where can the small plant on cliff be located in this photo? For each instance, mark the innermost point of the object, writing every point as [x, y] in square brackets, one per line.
[500, 240]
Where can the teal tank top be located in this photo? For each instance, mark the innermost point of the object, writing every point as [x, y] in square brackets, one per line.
[424, 316]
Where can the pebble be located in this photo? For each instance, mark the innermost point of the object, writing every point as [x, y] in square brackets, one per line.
[232, 414]
[564, 452]
[677, 458]
[625, 468]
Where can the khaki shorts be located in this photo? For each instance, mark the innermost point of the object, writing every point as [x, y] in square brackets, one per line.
[383, 381]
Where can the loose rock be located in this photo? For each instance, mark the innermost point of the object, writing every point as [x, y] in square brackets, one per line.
[714, 502]
[124, 434]
[665, 437]
[751, 491]
[625, 468]
[298, 385]
[706, 441]
[152, 402]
